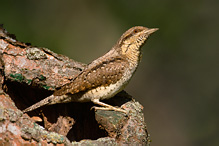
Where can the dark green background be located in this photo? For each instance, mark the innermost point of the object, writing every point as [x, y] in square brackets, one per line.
[177, 81]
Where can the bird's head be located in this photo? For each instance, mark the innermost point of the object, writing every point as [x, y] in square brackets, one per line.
[134, 38]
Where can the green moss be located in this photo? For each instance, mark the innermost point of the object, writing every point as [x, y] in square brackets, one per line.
[46, 87]
[17, 77]
[29, 81]
[41, 77]
[20, 78]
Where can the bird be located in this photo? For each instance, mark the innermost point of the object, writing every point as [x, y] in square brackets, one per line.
[106, 76]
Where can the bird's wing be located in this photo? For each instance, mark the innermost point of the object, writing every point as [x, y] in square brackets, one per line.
[100, 73]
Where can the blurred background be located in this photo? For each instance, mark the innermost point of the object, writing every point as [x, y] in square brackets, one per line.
[177, 81]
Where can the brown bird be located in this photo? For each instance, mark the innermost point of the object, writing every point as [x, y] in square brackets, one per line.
[106, 76]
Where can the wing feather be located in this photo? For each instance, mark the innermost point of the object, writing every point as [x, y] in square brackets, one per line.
[101, 74]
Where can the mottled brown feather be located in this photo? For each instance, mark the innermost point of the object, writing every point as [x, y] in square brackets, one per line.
[104, 73]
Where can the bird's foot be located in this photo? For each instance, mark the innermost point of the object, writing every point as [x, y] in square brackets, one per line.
[109, 109]
[107, 106]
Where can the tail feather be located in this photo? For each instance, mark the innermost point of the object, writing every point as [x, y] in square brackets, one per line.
[43, 102]
[50, 100]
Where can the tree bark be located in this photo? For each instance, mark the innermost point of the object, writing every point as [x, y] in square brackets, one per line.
[29, 74]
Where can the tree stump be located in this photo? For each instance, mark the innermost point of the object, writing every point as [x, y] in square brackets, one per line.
[29, 74]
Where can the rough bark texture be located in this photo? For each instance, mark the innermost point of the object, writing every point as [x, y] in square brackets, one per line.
[29, 74]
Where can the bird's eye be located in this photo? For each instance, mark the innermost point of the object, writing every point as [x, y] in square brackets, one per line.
[136, 30]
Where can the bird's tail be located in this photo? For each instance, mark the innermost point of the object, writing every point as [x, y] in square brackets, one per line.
[43, 102]
[50, 100]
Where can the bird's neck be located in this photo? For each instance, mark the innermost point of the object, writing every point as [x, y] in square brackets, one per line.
[133, 55]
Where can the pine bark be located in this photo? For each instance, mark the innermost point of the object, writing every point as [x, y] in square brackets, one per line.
[29, 74]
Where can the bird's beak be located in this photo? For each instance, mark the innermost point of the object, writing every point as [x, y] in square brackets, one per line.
[150, 31]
